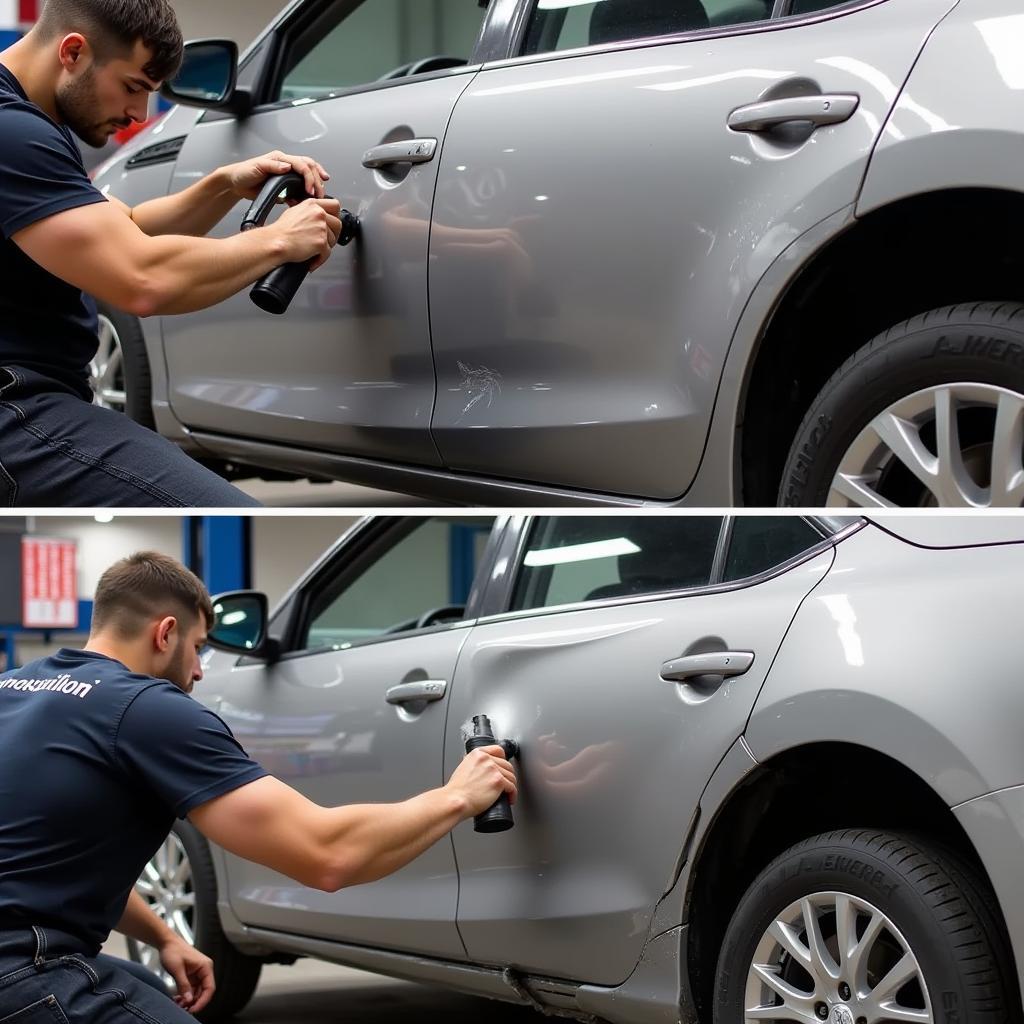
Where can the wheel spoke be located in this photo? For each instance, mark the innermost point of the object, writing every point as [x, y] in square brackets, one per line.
[822, 963]
[903, 440]
[769, 975]
[788, 940]
[781, 1012]
[955, 488]
[1007, 467]
[108, 377]
[858, 958]
[897, 977]
[860, 490]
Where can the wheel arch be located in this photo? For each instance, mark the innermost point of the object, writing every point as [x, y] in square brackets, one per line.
[903, 258]
[781, 801]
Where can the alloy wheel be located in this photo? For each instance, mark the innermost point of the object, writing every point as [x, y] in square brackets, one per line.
[168, 889]
[832, 958]
[106, 371]
[955, 445]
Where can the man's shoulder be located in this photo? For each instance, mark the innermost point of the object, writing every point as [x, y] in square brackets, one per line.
[27, 133]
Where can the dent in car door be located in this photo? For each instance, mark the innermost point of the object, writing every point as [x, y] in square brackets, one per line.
[613, 761]
[599, 228]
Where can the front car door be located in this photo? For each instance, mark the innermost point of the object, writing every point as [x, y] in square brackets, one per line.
[387, 611]
[349, 368]
[624, 655]
[599, 226]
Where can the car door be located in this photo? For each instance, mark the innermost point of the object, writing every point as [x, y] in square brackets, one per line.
[354, 712]
[349, 367]
[624, 657]
[609, 197]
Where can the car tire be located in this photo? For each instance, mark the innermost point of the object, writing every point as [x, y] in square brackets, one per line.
[235, 973]
[926, 909]
[135, 373]
[971, 356]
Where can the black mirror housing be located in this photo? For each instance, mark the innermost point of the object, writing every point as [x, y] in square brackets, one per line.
[208, 78]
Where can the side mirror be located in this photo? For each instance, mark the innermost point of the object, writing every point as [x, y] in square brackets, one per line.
[208, 78]
[240, 625]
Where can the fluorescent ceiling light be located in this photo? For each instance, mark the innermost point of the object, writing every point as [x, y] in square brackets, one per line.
[582, 552]
[559, 5]
[233, 618]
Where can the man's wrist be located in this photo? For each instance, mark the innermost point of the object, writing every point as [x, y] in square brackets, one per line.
[220, 184]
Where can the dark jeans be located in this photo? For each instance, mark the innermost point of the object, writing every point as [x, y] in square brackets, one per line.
[48, 977]
[58, 451]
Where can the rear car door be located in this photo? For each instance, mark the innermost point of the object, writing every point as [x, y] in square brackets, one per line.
[624, 656]
[349, 368]
[599, 226]
[354, 712]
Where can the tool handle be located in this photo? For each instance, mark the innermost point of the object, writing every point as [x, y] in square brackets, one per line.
[497, 817]
[274, 292]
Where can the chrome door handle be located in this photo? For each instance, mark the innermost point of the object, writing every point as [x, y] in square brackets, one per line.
[410, 151]
[820, 110]
[421, 690]
[719, 663]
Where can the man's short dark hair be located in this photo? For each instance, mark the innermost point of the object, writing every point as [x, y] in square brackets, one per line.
[147, 586]
[113, 27]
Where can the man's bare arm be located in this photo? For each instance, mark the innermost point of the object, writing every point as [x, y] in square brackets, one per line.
[198, 209]
[98, 249]
[195, 211]
[139, 922]
[329, 848]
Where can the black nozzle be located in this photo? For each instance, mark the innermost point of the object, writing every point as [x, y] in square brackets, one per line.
[497, 817]
[274, 293]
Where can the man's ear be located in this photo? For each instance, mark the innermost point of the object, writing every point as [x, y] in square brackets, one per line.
[73, 48]
[164, 631]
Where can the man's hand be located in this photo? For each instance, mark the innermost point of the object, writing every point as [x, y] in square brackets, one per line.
[310, 231]
[192, 973]
[245, 179]
[481, 778]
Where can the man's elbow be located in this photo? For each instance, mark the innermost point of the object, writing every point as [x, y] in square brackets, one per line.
[147, 295]
[335, 873]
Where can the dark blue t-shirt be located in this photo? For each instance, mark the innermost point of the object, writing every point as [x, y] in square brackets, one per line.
[46, 325]
[95, 764]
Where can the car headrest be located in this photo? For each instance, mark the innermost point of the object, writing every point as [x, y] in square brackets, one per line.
[620, 20]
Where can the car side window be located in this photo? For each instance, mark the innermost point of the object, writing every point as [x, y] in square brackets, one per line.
[570, 559]
[420, 576]
[377, 40]
[759, 543]
[812, 6]
[568, 24]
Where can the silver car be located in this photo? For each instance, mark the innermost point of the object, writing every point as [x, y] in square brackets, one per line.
[717, 253]
[770, 768]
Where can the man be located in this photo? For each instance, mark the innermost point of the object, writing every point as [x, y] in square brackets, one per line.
[89, 67]
[99, 751]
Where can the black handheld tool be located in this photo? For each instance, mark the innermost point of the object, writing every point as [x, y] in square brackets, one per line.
[274, 293]
[497, 817]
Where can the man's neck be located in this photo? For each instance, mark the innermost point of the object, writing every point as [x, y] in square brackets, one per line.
[124, 653]
[30, 67]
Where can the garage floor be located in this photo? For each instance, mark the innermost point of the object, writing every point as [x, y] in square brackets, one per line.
[306, 495]
[327, 994]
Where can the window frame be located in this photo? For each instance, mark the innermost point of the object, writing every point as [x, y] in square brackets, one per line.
[509, 554]
[354, 554]
[779, 20]
[302, 17]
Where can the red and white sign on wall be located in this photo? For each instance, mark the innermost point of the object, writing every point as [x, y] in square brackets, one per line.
[49, 583]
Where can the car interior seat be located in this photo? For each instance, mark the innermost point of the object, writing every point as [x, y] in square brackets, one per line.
[620, 20]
